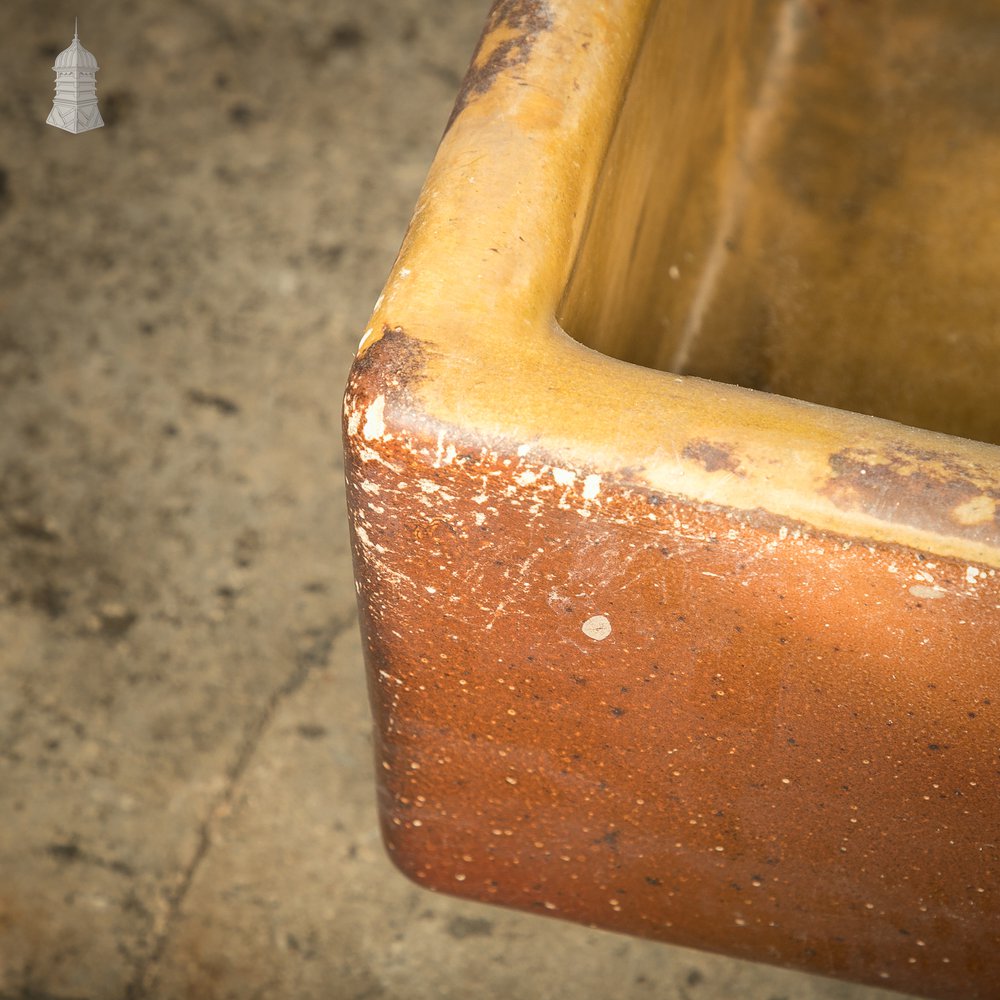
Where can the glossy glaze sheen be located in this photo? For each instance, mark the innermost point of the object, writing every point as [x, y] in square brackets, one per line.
[797, 198]
[647, 652]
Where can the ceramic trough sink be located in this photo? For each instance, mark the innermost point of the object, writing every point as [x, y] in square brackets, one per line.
[674, 487]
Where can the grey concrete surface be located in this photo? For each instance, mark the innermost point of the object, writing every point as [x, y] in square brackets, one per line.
[185, 776]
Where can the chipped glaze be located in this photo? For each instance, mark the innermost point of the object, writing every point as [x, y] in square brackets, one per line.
[650, 653]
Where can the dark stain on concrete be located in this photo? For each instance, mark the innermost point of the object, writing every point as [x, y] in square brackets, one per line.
[346, 36]
[70, 852]
[244, 115]
[213, 400]
[327, 254]
[463, 927]
[50, 599]
[30, 526]
[117, 106]
[312, 731]
[5, 197]
[116, 621]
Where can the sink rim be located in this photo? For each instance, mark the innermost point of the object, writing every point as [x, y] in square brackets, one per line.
[477, 300]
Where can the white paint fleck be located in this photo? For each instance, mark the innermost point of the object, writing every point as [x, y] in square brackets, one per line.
[365, 338]
[674, 271]
[597, 627]
[374, 422]
[564, 477]
[928, 593]
[427, 486]
[526, 478]
[480, 519]
[591, 487]
[970, 574]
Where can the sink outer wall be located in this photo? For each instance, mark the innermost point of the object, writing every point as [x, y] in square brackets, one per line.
[785, 748]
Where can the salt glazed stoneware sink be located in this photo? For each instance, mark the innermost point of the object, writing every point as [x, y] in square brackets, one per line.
[674, 507]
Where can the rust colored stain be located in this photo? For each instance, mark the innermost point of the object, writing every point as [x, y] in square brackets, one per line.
[688, 723]
[903, 490]
[714, 457]
[506, 42]
[394, 364]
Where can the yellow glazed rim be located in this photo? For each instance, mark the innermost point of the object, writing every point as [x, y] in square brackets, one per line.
[487, 259]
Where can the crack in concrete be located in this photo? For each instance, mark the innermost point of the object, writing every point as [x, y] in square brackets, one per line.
[70, 852]
[316, 656]
[29, 993]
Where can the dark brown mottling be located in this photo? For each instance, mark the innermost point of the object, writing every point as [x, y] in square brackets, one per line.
[714, 457]
[904, 490]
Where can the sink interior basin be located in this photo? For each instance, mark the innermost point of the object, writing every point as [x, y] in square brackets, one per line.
[801, 197]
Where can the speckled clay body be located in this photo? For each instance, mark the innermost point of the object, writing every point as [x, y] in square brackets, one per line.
[653, 653]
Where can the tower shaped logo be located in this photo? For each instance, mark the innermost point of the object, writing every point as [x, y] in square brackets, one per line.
[75, 106]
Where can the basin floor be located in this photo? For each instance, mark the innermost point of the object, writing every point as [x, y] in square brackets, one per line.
[185, 756]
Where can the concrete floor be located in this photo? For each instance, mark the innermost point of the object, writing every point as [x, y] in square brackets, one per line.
[185, 776]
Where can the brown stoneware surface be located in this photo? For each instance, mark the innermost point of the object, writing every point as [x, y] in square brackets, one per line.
[680, 721]
[664, 655]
